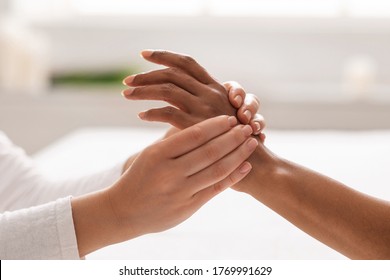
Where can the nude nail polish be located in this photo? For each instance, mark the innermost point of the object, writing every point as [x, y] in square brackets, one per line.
[128, 80]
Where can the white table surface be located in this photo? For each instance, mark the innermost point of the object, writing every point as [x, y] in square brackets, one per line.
[232, 225]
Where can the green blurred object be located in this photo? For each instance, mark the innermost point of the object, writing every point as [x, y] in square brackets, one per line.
[109, 78]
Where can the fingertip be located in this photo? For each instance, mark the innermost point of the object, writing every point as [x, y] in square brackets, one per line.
[256, 128]
[128, 80]
[142, 115]
[232, 121]
[248, 115]
[146, 53]
[245, 167]
[238, 101]
[127, 92]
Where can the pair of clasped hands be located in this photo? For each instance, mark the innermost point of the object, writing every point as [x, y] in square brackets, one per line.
[215, 129]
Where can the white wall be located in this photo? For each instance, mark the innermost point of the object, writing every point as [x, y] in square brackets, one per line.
[272, 54]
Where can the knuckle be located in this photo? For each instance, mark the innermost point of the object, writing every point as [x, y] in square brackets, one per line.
[159, 53]
[197, 134]
[168, 87]
[218, 92]
[173, 71]
[166, 91]
[218, 187]
[186, 59]
[168, 111]
[253, 100]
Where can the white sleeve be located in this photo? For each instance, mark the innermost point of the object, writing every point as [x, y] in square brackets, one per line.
[45, 231]
[22, 185]
[41, 232]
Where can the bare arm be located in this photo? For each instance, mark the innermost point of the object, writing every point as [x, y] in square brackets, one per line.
[350, 222]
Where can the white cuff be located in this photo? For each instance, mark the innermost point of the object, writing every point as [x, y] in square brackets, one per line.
[41, 232]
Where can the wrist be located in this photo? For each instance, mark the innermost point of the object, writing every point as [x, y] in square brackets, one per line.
[268, 170]
[95, 224]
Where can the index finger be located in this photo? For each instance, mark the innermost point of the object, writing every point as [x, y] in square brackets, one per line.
[195, 136]
[182, 61]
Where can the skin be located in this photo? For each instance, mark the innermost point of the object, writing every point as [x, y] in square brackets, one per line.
[195, 86]
[355, 224]
[160, 189]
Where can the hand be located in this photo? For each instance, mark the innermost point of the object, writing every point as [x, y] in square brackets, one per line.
[194, 94]
[173, 178]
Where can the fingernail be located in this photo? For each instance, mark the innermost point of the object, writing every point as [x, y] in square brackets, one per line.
[128, 80]
[258, 127]
[247, 130]
[245, 167]
[232, 121]
[248, 114]
[252, 143]
[238, 100]
[141, 115]
[147, 53]
[128, 91]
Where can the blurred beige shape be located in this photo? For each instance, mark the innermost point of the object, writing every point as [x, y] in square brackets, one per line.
[24, 57]
[359, 76]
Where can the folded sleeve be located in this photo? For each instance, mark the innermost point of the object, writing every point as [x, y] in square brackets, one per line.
[42, 232]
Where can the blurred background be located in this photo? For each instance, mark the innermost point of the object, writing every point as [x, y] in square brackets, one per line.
[315, 64]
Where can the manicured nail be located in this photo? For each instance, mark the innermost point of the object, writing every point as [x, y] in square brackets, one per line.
[245, 167]
[248, 114]
[128, 91]
[238, 100]
[232, 121]
[128, 80]
[147, 53]
[252, 143]
[141, 115]
[247, 129]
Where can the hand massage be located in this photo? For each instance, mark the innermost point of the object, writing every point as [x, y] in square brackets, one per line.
[216, 141]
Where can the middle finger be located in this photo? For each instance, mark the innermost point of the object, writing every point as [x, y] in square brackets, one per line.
[170, 93]
[168, 75]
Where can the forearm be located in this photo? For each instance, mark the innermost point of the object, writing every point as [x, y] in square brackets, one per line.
[352, 223]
